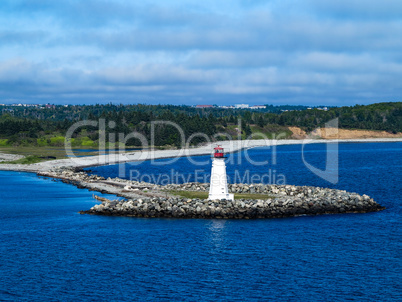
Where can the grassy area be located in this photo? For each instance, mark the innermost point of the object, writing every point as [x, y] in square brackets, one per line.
[35, 151]
[270, 132]
[252, 196]
[204, 195]
[25, 161]
[190, 194]
[45, 151]
[257, 132]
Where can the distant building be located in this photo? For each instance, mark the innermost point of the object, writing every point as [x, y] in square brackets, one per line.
[258, 107]
[204, 106]
[242, 106]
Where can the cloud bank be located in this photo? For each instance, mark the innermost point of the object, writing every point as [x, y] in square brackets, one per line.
[190, 52]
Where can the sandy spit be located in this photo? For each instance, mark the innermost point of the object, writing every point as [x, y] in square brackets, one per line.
[230, 147]
[9, 157]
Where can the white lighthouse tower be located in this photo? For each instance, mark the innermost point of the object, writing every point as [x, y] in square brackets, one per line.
[219, 184]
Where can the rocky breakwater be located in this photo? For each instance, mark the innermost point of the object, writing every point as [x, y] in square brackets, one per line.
[72, 176]
[120, 187]
[276, 201]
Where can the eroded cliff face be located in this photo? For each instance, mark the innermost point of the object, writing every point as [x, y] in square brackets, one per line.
[335, 133]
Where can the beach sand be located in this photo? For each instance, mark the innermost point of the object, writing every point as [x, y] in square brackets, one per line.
[229, 146]
[9, 157]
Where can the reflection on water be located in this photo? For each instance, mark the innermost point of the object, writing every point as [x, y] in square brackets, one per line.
[217, 233]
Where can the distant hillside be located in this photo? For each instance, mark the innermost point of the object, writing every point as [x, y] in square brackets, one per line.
[46, 126]
[380, 116]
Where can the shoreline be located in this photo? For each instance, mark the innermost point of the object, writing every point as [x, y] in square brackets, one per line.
[229, 146]
[253, 200]
[151, 200]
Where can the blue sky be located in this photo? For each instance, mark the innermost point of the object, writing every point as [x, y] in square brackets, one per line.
[311, 52]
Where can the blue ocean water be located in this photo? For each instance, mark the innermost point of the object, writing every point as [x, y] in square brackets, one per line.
[49, 252]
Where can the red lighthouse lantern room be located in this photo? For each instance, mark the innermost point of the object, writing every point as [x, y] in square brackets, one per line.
[218, 152]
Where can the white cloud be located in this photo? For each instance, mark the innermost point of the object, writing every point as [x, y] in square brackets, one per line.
[311, 51]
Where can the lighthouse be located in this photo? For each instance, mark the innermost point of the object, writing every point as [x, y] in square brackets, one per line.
[219, 184]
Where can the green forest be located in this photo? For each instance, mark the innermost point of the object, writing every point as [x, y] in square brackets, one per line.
[47, 126]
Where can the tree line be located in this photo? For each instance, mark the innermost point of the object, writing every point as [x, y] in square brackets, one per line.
[41, 126]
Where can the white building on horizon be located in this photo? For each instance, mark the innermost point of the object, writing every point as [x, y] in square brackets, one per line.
[242, 106]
